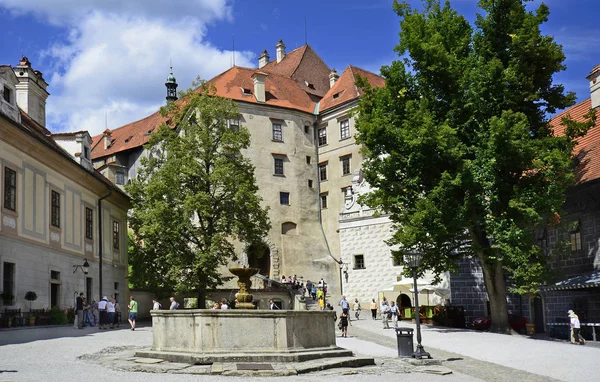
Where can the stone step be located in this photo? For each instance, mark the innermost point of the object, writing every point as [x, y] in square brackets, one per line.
[210, 358]
[332, 363]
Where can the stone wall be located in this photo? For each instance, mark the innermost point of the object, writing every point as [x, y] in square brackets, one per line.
[468, 290]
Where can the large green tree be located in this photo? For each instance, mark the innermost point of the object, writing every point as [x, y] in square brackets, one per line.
[458, 147]
[195, 195]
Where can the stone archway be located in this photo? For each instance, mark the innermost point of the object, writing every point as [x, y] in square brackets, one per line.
[275, 259]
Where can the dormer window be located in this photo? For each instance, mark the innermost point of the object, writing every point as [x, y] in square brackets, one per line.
[336, 95]
[7, 94]
[247, 91]
[86, 152]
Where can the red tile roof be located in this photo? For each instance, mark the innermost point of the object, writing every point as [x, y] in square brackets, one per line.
[587, 149]
[130, 136]
[345, 90]
[303, 65]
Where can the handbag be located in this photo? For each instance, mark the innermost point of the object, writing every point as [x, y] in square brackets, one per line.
[340, 325]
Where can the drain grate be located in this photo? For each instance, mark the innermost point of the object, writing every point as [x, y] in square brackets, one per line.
[254, 366]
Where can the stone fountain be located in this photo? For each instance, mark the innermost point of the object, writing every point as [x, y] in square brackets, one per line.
[244, 273]
[245, 334]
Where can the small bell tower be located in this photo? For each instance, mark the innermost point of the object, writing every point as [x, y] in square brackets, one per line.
[171, 85]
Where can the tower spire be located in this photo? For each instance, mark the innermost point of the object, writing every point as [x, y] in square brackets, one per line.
[171, 85]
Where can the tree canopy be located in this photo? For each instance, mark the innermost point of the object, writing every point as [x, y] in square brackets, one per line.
[457, 144]
[195, 195]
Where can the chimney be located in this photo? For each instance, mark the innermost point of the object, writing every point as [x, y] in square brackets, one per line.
[594, 78]
[263, 59]
[107, 138]
[280, 48]
[259, 86]
[333, 77]
[31, 91]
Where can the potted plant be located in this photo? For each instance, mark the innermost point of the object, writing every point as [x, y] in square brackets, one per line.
[31, 296]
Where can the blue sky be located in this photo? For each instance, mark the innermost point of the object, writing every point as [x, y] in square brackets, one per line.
[113, 56]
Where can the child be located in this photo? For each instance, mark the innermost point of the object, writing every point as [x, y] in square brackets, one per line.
[344, 323]
[321, 303]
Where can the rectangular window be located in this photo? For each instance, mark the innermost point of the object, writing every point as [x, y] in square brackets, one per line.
[345, 129]
[55, 275]
[277, 133]
[8, 283]
[7, 93]
[575, 236]
[310, 183]
[284, 198]
[346, 165]
[322, 136]
[120, 177]
[307, 159]
[323, 172]
[86, 152]
[89, 223]
[115, 235]
[234, 125]
[55, 212]
[10, 189]
[359, 262]
[278, 166]
[323, 197]
[307, 129]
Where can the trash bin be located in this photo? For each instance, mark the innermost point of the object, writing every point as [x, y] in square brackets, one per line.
[404, 337]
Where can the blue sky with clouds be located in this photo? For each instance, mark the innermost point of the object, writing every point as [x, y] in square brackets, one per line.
[113, 55]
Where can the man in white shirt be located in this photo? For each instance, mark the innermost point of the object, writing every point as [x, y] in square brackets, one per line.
[575, 327]
[394, 310]
[272, 305]
[224, 304]
[102, 305]
[384, 309]
[155, 304]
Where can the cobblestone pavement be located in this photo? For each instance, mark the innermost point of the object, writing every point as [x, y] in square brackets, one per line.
[494, 357]
[67, 354]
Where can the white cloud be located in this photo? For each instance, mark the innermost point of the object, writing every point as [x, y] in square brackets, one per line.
[116, 57]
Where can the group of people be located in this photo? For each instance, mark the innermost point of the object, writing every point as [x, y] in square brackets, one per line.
[344, 320]
[103, 313]
[389, 311]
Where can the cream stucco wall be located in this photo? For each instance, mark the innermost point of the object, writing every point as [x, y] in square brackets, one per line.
[36, 248]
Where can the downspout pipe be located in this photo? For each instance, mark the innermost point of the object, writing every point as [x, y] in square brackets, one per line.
[100, 240]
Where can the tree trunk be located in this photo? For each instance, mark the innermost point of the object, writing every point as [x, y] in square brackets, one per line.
[495, 285]
[201, 298]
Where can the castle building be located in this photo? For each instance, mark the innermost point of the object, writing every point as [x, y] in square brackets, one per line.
[297, 110]
[58, 216]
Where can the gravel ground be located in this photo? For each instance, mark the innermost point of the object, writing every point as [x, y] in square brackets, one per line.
[550, 359]
[52, 354]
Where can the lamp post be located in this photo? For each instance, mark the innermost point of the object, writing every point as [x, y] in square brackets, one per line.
[413, 260]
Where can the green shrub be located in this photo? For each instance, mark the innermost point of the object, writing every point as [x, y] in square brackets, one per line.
[58, 316]
[70, 315]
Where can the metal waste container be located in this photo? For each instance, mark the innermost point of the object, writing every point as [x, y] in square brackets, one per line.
[404, 337]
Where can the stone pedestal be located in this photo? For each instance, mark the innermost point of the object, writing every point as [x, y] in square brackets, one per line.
[206, 336]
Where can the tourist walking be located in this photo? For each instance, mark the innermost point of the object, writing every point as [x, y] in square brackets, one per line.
[94, 312]
[345, 305]
[356, 309]
[272, 305]
[224, 304]
[102, 312]
[110, 312]
[174, 304]
[373, 309]
[394, 312]
[313, 292]
[344, 323]
[117, 316]
[155, 304]
[133, 310]
[87, 314]
[576, 336]
[385, 314]
[309, 286]
[79, 312]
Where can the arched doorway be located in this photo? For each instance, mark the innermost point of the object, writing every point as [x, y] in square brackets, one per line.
[259, 256]
[538, 313]
[403, 301]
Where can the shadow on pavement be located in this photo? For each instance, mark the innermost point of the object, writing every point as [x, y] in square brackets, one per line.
[23, 335]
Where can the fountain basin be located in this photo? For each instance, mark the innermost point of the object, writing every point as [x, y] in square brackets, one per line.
[207, 336]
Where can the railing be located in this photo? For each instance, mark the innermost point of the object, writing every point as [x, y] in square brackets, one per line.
[593, 325]
[358, 214]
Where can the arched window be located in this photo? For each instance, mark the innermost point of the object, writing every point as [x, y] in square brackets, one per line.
[288, 228]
